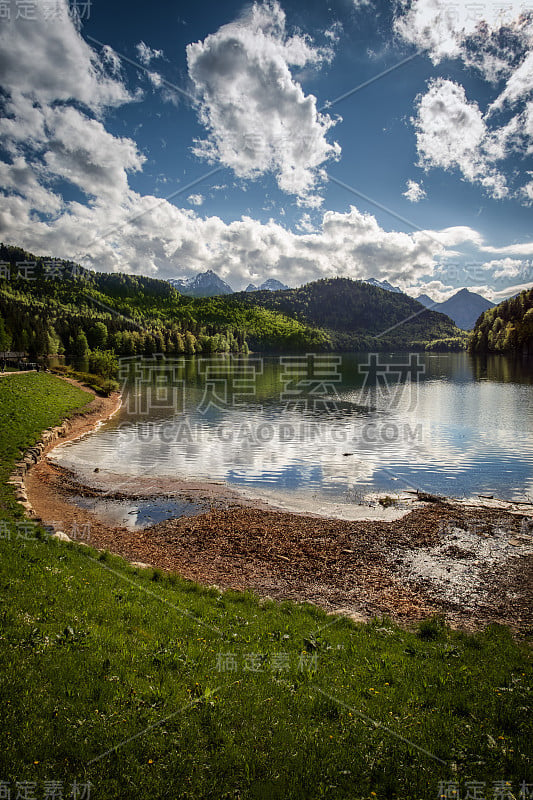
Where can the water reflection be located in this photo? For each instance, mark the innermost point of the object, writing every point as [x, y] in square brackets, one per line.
[445, 423]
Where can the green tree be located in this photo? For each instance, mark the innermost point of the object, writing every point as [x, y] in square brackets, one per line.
[5, 337]
[104, 363]
[97, 336]
[80, 346]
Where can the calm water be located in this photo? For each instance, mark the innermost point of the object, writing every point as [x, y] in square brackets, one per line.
[336, 428]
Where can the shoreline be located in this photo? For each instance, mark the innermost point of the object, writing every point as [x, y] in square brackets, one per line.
[470, 563]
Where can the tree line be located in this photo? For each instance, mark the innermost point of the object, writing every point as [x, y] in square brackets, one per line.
[506, 328]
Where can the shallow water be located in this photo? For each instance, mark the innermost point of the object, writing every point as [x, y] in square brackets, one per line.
[333, 428]
[137, 514]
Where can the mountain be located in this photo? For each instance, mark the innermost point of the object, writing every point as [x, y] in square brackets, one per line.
[359, 315]
[464, 308]
[426, 301]
[506, 328]
[270, 285]
[205, 284]
[383, 285]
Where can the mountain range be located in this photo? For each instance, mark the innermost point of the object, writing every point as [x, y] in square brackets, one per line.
[464, 307]
[358, 315]
[209, 284]
[270, 285]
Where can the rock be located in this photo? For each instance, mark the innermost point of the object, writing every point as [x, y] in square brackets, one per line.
[140, 565]
[61, 536]
[355, 616]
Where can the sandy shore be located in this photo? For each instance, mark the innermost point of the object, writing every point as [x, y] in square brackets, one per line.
[472, 564]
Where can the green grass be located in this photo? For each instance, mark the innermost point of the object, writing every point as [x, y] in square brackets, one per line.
[102, 661]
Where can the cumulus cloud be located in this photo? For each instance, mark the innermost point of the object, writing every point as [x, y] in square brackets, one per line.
[52, 63]
[451, 133]
[467, 31]
[497, 40]
[257, 116]
[505, 267]
[436, 290]
[146, 54]
[305, 224]
[414, 192]
[196, 199]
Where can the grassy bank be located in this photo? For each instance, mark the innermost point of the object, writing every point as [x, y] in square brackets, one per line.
[143, 684]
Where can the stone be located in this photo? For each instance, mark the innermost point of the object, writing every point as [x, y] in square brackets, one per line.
[61, 536]
[350, 613]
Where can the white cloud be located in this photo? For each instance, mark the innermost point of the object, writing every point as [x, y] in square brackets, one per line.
[497, 295]
[257, 116]
[155, 79]
[517, 249]
[497, 40]
[527, 192]
[519, 84]
[147, 54]
[53, 63]
[436, 290]
[196, 199]
[46, 135]
[111, 59]
[505, 267]
[415, 192]
[451, 133]
[469, 31]
[305, 224]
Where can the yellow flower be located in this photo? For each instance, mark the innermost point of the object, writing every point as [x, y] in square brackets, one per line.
[150, 761]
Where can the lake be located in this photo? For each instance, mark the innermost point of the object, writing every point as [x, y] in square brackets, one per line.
[330, 428]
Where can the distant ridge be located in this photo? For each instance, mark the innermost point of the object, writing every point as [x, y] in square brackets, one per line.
[426, 301]
[270, 285]
[464, 307]
[205, 284]
[383, 285]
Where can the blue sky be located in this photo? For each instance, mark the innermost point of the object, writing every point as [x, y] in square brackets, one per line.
[423, 177]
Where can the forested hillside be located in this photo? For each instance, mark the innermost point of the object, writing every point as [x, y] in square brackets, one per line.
[54, 306]
[50, 306]
[358, 315]
[506, 328]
